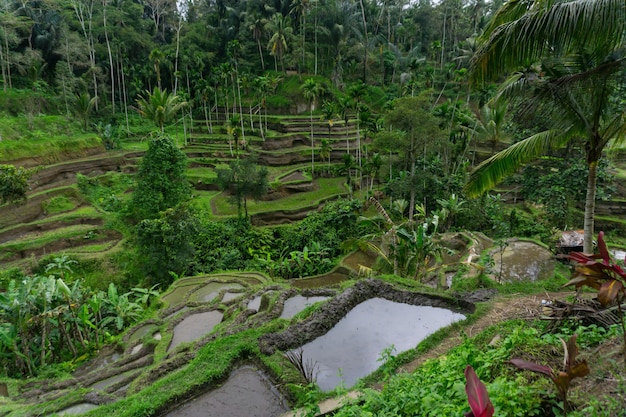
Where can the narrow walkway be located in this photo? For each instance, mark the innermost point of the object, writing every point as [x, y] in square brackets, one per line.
[326, 406]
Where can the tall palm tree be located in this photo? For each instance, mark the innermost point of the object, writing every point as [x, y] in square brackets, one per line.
[310, 91]
[159, 106]
[156, 56]
[257, 26]
[280, 28]
[578, 46]
[300, 8]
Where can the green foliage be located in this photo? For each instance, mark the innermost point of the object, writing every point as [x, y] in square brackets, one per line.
[13, 183]
[243, 179]
[58, 204]
[437, 387]
[159, 106]
[559, 184]
[166, 244]
[46, 320]
[161, 181]
[106, 191]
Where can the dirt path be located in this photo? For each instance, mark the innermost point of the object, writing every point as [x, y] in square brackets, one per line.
[504, 308]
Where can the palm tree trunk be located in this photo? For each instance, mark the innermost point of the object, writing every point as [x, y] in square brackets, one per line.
[312, 141]
[258, 42]
[590, 205]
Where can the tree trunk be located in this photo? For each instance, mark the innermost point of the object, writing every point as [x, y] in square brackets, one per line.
[590, 205]
[106, 37]
[312, 141]
[258, 42]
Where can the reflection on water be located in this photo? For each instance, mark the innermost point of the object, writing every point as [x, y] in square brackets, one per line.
[297, 303]
[194, 327]
[351, 349]
[246, 393]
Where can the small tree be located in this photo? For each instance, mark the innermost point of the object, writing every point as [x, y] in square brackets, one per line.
[165, 244]
[13, 183]
[243, 179]
[161, 180]
[83, 106]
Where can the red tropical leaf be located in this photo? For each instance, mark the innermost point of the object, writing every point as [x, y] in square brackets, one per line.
[609, 290]
[532, 366]
[477, 395]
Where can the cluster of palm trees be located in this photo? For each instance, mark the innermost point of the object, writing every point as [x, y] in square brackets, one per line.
[46, 319]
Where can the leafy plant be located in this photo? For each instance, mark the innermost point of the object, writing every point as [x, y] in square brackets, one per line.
[13, 183]
[477, 395]
[562, 379]
[605, 276]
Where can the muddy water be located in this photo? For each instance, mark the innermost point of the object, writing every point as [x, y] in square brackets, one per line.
[351, 349]
[141, 332]
[327, 280]
[105, 383]
[247, 393]
[229, 296]
[523, 261]
[297, 303]
[255, 303]
[194, 327]
[77, 409]
[209, 292]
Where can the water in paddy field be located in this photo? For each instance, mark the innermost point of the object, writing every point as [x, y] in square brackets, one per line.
[297, 303]
[209, 292]
[353, 347]
[77, 409]
[194, 327]
[247, 393]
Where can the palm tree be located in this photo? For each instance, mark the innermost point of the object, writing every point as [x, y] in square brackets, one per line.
[280, 28]
[326, 151]
[356, 92]
[579, 45]
[329, 111]
[300, 8]
[310, 91]
[159, 106]
[257, 26]
[346, 169]
[489, 124]
[345, 104]
[83, 106]
[156, 56]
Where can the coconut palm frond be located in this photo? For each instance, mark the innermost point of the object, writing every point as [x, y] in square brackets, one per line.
[490, 172]
[598, 24]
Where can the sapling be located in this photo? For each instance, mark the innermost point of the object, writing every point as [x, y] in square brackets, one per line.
[561, 379]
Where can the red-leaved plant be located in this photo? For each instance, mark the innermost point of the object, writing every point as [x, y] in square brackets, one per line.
[598, 271]
[562, 379]
[477, 395]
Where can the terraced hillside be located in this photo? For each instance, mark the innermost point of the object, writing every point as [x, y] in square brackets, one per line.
[57, 216]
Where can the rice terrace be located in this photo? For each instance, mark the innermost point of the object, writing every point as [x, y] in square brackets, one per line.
[306, 208]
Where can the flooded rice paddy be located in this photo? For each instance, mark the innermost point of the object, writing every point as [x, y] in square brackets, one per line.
[194, 327]
[297, 303]
[248, 392]
[353, 347]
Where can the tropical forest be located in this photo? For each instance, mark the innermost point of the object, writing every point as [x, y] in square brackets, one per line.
[300, 208]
